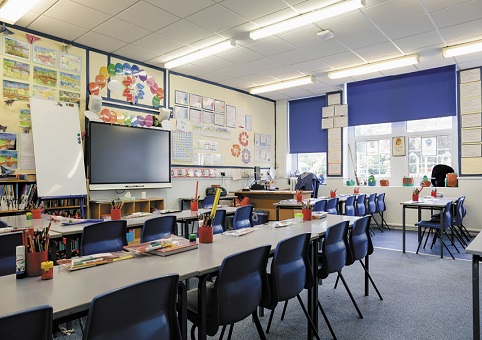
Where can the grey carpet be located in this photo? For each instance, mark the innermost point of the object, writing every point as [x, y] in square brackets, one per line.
[425, 297]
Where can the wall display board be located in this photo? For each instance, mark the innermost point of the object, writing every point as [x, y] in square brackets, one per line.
[35, 67]
[470, 138]
[334, 117]
[240, 127]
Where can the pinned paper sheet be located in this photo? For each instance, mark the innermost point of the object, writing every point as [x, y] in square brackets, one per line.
[236, 174]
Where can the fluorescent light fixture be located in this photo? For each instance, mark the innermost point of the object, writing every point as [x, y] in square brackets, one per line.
[12, 10]
[471, 47]
[201, 54]
[375, 67]
[283, 85]
[307, 18]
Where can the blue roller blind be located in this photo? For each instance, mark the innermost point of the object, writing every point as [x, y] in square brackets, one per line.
[306, 135]
[418, 95]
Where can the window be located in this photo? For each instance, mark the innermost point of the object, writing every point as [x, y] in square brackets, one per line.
[373, 158]
[373, 129]
[312, 162]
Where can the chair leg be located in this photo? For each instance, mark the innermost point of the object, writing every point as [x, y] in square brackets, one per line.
[270, 319]
[308, 317]
[326, 320]
[371, 280]
[349, 293]
[453, 244]
[231, 330]
[336, 282]
[193, 332]
[262, 336]
[383, 220]
[376, 222]
[222, 332]
[284, 310]
[421, 239]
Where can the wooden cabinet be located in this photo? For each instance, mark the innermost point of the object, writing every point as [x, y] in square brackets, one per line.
[102, 208]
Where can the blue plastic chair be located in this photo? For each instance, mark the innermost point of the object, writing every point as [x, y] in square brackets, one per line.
[153, 314]
[332, 206]
[208, 201]
[30, 324]
[316, 186]
[360, 244]
[360, 205]
[219, 221]
[8, 243]
[350, 206]
[435, 226]
[3, 224]
[236, 293]
[460, 231]
[332, 258]
[243, 217]
[381, 207]
[372, 209]
[290, 273]
[158, 227]
[319, 205]
[103, 237]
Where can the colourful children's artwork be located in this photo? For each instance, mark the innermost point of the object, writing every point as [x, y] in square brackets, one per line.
[16, 48]
[43, 92]
[13, 90]
[70, 62]
[70, 81]
[16, 69]
[44, 56]
[44, 76]
[9, 158]
[8, 141]
[69, 97]
[24, 118]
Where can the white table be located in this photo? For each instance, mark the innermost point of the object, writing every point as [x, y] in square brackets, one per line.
[475, 248]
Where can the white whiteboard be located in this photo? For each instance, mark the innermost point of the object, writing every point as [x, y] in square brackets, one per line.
[59, 158]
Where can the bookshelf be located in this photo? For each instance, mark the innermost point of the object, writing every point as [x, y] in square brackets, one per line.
[102, 208]
[16, 195]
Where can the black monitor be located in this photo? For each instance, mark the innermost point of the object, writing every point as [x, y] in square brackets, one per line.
[257, 173]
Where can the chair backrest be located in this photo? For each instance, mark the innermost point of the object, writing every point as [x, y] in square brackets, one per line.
[158, 227]
[360, 239]
[316, 186]
[243, 217]
[3, 224]
[8, 243]
[319, 205]
[144, 310]
[360, 205]
[447, 214]
[459, 211]
[350, 206]
[332, 206]
[381, 206]
[219, 221]
[239, 286]
[208, 201]
[30, 324]
[290, 269]
[333, 251]
[372, 203]
[107, 236]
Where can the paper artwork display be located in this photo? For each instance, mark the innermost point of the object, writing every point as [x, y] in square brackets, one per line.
[243, 138]
[219, 106]
[44, 56]
[249, 122]
[208, 117]
[182, 145]
[70, 62]
[70, 81]
[195, 116]
[246, 156]
[398, 146]
[69, 97]
[230, 116]
[44, 76]
[16, 69]
[43, 92]
[24, 118]
[181, 97]
[9, 158]
[8, 141]
[208, 103]
[219, 119]
[180, 112]
[13, 90]
[195, 101]
[16, 48]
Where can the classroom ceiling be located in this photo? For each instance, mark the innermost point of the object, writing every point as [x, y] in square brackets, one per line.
[152, 31]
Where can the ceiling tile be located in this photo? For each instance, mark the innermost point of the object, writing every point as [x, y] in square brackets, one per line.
[157, 43]
[213, 64]
[185, 32]
[252, 9]
[302, 37]
[148, 16]
[216, 19]
[217, 77]
[275, 17]
[309, 67]
[76, 14]
[237, 71]
[262, 64]
[414, 42]
[462, 33]
[183, 8]
[362, 39]
[393, 11]
[100, 42]
[122, 30]
[291, 57]
[347, 24]
[136, 53]
[341, 60]
[111, 7]
[454, 15]
[240, 55]
[324, 48]
[378, 52]
[57, 28]
[271, 46]
[405, 28]
[27, 19]
[435, 5]
[189, 69]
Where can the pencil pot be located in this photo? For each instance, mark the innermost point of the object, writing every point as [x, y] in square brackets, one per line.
[115, 214]
[36, 213]
[306, 214]
[205, 235]
[332, 194]
[299, 197]
[194, 205]
[414, 197]
[34, 261]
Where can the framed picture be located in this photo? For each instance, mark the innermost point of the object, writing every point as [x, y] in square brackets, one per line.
[398, 146]
[195, 101]
[230, 116]
[219, 106]
[181, 97]
[372, 147]
[208, 103]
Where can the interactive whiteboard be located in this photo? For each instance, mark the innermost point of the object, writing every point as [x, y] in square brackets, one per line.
[57, 142]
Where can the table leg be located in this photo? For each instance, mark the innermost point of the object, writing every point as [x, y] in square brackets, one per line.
[475, 297]
[419, 219]
[403, 228]
[277, 213]
[201, 306]
[441, 234]
[313, 292]
[367, 287]
[182, 311]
